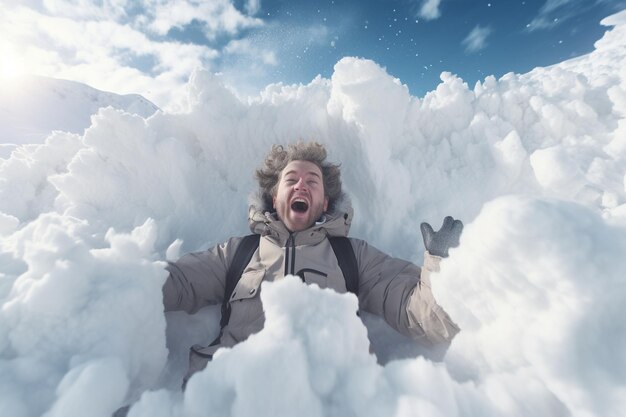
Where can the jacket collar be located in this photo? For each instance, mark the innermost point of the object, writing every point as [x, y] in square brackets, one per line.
[266, 223]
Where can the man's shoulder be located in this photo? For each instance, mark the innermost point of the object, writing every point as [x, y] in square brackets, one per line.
[233, 242]
[227, 248]
[358, 242]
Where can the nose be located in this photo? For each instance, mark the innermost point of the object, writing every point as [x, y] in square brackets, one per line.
[300, 185]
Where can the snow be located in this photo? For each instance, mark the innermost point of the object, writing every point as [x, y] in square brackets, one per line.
[534, 164]
[31, 107]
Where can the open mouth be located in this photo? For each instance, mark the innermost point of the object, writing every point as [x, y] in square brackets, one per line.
[299, 206]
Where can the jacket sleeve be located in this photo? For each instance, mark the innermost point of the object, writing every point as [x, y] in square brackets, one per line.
[400, 292]
[198, 279]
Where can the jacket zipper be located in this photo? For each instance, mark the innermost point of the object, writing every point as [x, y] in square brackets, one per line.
[290, 255]
[293, 256]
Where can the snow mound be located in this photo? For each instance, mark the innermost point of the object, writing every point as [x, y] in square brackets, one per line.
[534, 286]
[534, 164]
[32, 107]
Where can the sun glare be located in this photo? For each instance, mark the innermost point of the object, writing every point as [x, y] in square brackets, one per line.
[11, 65]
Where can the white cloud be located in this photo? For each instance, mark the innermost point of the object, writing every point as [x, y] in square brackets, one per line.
[255, 61]
[544, 19]
[555, 12]
[87, 9]
[476, 39]
[110, 48]
[245, 48]
[253, 6]
[216, 16]
[430, 9]
[84, 40]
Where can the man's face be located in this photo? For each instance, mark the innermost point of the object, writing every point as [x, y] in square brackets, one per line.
[299, 199]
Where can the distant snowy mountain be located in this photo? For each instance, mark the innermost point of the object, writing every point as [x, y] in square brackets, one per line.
[31, 107]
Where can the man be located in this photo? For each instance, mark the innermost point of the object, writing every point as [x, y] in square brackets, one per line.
[301, 206]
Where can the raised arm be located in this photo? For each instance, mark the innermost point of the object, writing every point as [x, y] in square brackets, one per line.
[197, 279]
[400, 291]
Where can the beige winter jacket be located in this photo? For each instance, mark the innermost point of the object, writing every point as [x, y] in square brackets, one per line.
[394, 289]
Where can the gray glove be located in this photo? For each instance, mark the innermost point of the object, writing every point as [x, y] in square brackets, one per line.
[438, 243]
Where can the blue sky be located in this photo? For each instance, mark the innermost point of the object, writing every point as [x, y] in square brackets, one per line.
[152, 46]
[416, 47]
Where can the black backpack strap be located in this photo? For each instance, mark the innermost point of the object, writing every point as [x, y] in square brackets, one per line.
[347, 262]
[243, 254]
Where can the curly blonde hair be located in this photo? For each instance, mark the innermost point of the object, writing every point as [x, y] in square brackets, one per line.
[268, 175]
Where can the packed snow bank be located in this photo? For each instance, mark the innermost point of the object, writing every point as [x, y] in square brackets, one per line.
[73, 306]
[537, 287]
[537, 284]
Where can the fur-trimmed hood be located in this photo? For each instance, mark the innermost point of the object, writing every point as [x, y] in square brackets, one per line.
[263, 220]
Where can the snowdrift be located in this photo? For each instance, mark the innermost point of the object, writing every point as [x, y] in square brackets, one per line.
[33, 106]
[534, 164]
